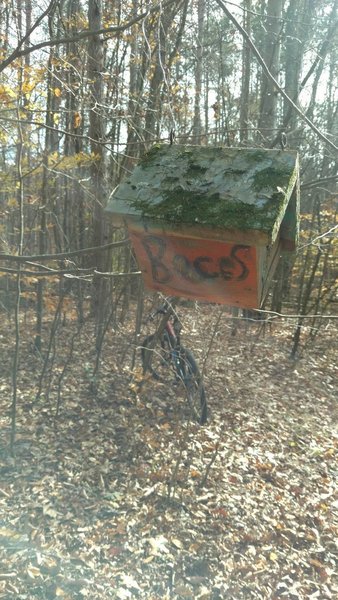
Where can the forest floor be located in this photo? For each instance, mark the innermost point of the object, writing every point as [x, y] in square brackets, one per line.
[121, 495]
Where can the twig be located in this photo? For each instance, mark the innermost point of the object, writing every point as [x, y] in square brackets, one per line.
[208, 468]
[220, 314]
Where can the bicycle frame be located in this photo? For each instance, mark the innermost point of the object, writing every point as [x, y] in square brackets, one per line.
[171, 332]
[164, 346]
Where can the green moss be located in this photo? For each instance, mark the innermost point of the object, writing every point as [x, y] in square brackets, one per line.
[270, 178]
[194, 170]
[254, 156]
[218, 187]
[185, 153]
[237, 172]
[184, 206]
[147, 159]
[170, 180]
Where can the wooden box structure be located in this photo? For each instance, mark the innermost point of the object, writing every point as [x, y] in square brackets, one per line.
[210, 223]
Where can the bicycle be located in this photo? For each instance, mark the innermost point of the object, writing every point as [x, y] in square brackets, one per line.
[163, 350]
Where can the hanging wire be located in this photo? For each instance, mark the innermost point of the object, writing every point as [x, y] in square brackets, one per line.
[172, 119]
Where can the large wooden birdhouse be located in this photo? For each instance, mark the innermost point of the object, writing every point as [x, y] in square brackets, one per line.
[210, 223]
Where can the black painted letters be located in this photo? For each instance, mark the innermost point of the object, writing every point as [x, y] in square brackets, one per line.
[202, 268]
[159, 271]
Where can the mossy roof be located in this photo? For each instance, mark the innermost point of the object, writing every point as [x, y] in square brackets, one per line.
[230, 188]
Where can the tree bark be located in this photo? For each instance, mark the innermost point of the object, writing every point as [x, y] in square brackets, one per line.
[197, 123]
[271, 55]
[95, 67]
[245, 89]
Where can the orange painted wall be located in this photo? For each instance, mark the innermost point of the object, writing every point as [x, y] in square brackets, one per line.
[202, 269]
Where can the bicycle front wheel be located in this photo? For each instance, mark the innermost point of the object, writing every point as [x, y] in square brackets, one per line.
[192, 380]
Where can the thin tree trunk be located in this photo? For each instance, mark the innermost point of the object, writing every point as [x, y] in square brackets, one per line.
[16, 357]
[197, 123]
[51, 145]
[245, 90]
[95, 67]
[272, 48]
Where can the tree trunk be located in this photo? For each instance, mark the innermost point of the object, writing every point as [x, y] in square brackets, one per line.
[95, 66]
[245, 89]
[271, 54]
[197, 124]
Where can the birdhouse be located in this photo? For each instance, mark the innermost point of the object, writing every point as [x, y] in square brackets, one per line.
[210, 223]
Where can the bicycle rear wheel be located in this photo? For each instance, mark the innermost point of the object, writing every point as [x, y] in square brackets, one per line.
[156, 356]
[192, 380]
[160, 357]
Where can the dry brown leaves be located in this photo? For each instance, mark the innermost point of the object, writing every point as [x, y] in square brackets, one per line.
[114, 498]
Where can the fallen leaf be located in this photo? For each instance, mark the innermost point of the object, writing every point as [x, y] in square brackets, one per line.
[159, 545]
[33, 572]
[49, 511]
[130, 582]
[177, 543]
[316, 563]
[195, 474]
[149, 559]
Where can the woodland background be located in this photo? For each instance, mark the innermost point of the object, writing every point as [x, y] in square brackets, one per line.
[86, 87]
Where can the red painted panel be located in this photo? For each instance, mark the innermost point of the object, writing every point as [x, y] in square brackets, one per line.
[203, 269]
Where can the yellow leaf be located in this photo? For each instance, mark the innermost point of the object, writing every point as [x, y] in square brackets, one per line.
[53, 157]
[12, 202]
[28, 86]
[273, 556]
[77, 120]
[330, 452]
[57, 92]
[6, 93]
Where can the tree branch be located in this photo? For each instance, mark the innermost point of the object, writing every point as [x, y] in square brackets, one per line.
[63, 255]
[86, 33]
[44, 273]
[316, 182]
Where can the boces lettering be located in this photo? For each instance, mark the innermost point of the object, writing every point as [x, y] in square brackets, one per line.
[202, 268]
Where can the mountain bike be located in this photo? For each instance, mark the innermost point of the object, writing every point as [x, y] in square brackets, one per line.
[162, 353]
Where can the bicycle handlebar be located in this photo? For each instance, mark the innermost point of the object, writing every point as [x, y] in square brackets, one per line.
[166, 307]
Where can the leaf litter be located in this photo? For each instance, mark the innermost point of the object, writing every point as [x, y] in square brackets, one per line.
[123, 496]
